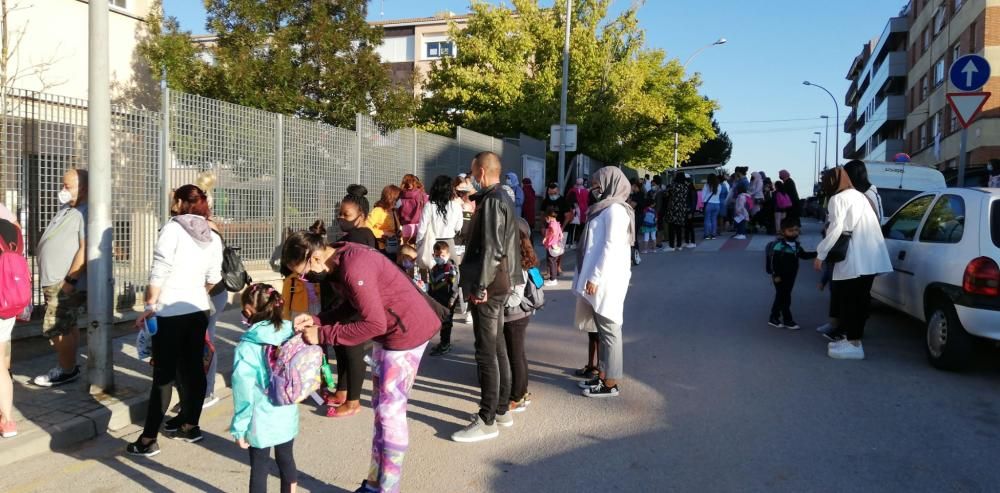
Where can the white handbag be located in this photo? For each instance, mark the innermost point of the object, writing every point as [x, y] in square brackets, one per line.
[425, 251]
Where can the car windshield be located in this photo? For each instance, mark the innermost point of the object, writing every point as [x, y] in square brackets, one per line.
[893, 199]
[995, 222]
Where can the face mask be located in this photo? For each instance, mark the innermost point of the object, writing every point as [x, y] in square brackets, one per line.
[440, 260]
[315, 277]
[346, 225]
[407, 264]
[989, 167]
[476, 185]
[553, 197]
[595, 196]
[791, 238]
[64, 196]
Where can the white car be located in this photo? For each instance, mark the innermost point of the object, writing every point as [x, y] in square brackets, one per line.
[899, 182]
[945, 250]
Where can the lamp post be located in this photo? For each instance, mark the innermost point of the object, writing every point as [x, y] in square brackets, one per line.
[719, 42]
[826, 150]
[819, 147]
[815, 153]
[836, 106]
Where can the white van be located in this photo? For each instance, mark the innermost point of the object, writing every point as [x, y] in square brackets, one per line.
[897, 183]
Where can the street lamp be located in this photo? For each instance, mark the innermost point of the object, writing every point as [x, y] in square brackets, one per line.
[815, 153]
[837, 114]
[719, 42]
[819, 146]
[826, 150]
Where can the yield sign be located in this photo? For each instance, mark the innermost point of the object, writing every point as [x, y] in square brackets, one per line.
[967, 105]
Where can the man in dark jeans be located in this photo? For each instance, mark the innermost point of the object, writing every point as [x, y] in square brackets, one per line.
[488, 273]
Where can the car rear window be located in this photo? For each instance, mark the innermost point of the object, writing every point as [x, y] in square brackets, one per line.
[995, 222]
[894, 198]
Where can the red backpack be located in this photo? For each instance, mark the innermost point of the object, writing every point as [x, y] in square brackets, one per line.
[15, 278]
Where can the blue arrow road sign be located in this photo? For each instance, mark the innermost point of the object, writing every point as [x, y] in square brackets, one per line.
[969, 73]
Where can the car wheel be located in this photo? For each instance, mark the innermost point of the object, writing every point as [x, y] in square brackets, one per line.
[949, 346]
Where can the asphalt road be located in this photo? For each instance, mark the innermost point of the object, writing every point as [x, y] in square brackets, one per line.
[714, 400]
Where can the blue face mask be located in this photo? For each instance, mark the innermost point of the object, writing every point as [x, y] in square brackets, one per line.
[440, 260]
[476, 185]
[407, 264]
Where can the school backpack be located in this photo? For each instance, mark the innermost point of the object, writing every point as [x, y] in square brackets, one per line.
[15, 278]
[749, 203]
[295, 371]
[534, 297]
[769, 257]
[234, 274]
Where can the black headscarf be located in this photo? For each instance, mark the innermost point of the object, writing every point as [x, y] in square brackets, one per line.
[858, 173]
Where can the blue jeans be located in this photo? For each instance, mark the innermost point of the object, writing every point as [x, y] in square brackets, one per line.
[711, 219]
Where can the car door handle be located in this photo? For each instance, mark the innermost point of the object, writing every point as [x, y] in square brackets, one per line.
[902, 255]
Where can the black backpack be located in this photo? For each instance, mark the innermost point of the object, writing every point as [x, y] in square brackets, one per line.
[234, 274]
[534, 297]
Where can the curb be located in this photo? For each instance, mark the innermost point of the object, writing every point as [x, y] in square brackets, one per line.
[115, 416]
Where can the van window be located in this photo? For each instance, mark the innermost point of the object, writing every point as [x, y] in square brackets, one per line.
[903, 225]
[894, 198]
[946, 222]
[995, 222]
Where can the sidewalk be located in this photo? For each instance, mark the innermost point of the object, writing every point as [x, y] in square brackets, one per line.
[58, 417]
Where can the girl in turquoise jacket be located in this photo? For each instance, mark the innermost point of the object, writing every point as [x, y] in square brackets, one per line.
[257, 424]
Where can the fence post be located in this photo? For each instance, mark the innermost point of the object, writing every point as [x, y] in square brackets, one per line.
[279, 190]
[414, 131]
[164, 199]
[359, 123]
[461, 155]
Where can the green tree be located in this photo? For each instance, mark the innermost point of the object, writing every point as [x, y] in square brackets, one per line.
[309, 58]
[626, 99]
[716, 150]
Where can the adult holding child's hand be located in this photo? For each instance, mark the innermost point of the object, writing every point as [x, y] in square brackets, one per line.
[381, 305]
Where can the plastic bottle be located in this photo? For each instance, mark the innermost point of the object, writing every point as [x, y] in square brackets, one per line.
[151, 325]
[328, 376]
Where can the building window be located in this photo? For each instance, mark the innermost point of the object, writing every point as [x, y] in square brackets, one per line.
[925, 39]
[922, 129]
[939, 20]
[958, 4]
[956, 52]
[936, 124]
[122, 4]
[952, 119]
[972, 37]
[939, 72]
[923, 88]
[439, 49]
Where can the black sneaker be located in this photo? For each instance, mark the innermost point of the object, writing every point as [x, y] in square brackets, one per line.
[137, 448]
[366, 488]
[57, 376]
[791, 325]
[774, 323]
[173, 424]
[586, 384]
[834, 336]
[601, 390]
[192, 435]
[586, 372]
[441, 350]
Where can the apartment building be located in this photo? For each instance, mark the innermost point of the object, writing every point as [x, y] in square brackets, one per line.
[940, 32]
[52, 53]
[411, 46]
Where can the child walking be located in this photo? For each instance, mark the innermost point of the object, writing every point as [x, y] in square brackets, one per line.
[554, 245]
[257, 424]
[443, 287]
[782, 264]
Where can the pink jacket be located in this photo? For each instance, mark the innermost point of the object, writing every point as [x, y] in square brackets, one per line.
[582, 196]
[553, 234]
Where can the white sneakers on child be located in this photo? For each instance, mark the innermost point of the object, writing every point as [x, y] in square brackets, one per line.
[844, 349]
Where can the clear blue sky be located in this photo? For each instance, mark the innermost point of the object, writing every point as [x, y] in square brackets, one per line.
[773, 46]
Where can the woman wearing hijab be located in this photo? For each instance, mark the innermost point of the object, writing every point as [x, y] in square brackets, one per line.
[529, 212]
[851, 213]
[604, 269]
[858, 173]
[515, 186]
[792, 192]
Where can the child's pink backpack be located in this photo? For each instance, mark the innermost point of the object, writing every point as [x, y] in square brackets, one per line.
[295, 371]
[15, 278]
[749, 202]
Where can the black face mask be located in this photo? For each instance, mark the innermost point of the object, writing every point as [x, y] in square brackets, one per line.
[316, 277]
[791, 238]
[346, 225]
[595, 196]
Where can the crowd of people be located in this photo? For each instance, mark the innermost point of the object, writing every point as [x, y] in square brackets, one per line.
[403, 271]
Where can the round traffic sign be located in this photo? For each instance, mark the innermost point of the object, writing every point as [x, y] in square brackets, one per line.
[969, 73]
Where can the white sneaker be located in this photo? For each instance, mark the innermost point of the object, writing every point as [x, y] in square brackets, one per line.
[740, 237]
[551, 282]
[468, 317]
[210, 400]
[477, 431]
[846, 350]
[691, 245]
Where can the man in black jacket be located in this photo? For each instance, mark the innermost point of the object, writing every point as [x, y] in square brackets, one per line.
[489, 271]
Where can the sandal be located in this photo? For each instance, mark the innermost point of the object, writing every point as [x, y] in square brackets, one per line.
[586, 371]
[335, 412]
[331, 400]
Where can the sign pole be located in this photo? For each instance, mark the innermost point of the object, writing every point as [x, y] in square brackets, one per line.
[962, 157]
[563, 99]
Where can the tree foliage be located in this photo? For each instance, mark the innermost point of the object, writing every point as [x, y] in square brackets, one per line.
[716, 150]
[310, 58]
[626, 98]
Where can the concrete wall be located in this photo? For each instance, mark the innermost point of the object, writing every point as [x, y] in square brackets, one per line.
[55, 32]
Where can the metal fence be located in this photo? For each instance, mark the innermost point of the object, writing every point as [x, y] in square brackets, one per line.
[272, 172]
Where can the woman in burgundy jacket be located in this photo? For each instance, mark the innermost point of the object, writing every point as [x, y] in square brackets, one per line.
[382, 305]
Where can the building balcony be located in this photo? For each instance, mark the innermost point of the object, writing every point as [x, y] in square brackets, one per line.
[851, 122]
[849, 150]
[890, 110]
[886, 151]
[852, 93]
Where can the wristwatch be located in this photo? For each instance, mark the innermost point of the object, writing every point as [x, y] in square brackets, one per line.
[70, 281]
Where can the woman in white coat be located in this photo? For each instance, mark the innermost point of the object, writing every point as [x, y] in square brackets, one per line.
[604, 269]
[851, 212]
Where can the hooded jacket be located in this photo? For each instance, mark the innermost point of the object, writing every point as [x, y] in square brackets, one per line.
[255, 419]
[411, 206]
[515, 185]
[187, 256]
[380, 303]
[493, 247]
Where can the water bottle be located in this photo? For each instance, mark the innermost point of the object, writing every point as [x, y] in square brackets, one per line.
[328, 377]
[151, 325]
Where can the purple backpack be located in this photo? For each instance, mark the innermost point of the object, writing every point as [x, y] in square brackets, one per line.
[295, 371]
